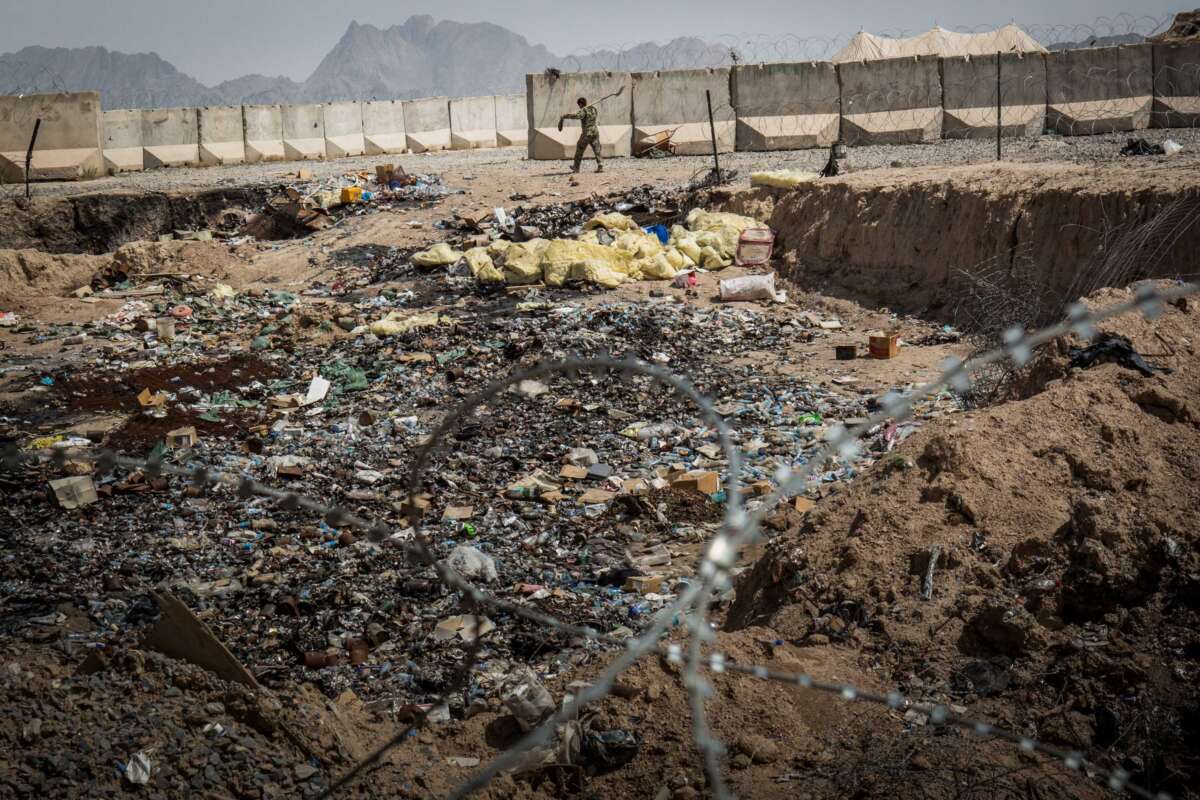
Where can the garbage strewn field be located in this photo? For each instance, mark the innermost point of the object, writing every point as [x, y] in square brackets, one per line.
[183, 639]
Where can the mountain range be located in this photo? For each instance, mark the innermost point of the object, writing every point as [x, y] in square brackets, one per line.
[420, 58]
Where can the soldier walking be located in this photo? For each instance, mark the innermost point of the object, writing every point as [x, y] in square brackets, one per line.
[589, 135]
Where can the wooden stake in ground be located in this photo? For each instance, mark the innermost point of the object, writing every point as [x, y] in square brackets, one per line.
[712, 130]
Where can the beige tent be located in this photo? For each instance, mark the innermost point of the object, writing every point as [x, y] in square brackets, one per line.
[939, 42]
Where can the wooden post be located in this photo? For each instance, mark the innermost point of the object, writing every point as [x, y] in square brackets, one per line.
[712, 129]
[999, 129]
[29, 154]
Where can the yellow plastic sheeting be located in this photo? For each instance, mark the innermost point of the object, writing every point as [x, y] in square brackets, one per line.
[397, 322]
[597, 273]
[700, 220]
[563, 258]
[658, 267]
[523, 262]
[782, 178]
[482, 266]
[638, 243]
[440, 255]
[612, 221]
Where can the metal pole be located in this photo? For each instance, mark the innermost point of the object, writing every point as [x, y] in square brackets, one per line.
[999, 130]
[712, 129]
[29, 154]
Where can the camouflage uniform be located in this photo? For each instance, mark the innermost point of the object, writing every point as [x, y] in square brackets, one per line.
[589, 135]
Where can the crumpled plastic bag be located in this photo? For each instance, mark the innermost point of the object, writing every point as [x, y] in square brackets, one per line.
[562, 260]
[613, 221]
[782, 178]
[523, 262]
[597, 273]
[399, 322]
[440, 255]
[222, 292]
[639, 243]
[657, 267]
[481, 265]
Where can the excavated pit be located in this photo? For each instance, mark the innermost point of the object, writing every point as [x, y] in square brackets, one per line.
[100, 223]
[917, 239]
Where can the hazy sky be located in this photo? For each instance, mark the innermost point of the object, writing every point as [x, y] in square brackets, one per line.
[214, 40]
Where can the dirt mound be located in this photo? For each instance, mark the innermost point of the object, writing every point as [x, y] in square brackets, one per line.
[25, 272]
[1065, 596]
[32, 273]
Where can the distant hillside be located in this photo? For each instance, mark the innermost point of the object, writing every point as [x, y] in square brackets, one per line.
[124, 80]
[421, 58]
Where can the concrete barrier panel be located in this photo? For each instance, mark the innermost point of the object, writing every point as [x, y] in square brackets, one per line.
[1176, 86]
[170, 137]
[892, 101]
[383, 127]
[512, 120]
[262, 131]
[547, 98]
[473, 123]
[221, 135]
[303, 132]
[786, 106]
[675, 102]
[427, 124]
[123, 140]
[969, 86]
[1099, 89]
[69, 140]
[344, 130]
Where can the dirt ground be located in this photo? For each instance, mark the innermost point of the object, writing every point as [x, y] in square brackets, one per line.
[1062, 522]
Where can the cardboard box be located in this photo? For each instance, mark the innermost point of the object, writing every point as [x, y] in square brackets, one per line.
[182, 438]
[802, 504]
[644, 584]
[458, 512]
[698, 480]
[74, 492]
[884, 345]
[571, 472]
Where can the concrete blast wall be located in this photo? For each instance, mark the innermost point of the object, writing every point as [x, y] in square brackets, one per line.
[512, 120]
[221, 136]
[262, 132]
[170, 137]
[344, 130]
[383, 127]
[1099, 89]
[69, 140]
[893, 101]
[786, 106]
[473, 123]
[1176, 86]
[303, 132]
[547, 98]
[969, 87]
[122, 141]
[675, 102]
[427, 124]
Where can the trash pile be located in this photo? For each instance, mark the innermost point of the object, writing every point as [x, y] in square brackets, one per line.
[588, 499]
[612, 249]
[310, 205]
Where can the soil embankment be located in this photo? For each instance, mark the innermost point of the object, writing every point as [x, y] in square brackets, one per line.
[904, 238]
[101, 223]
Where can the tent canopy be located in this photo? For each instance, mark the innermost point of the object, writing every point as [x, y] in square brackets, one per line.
[939, 42]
